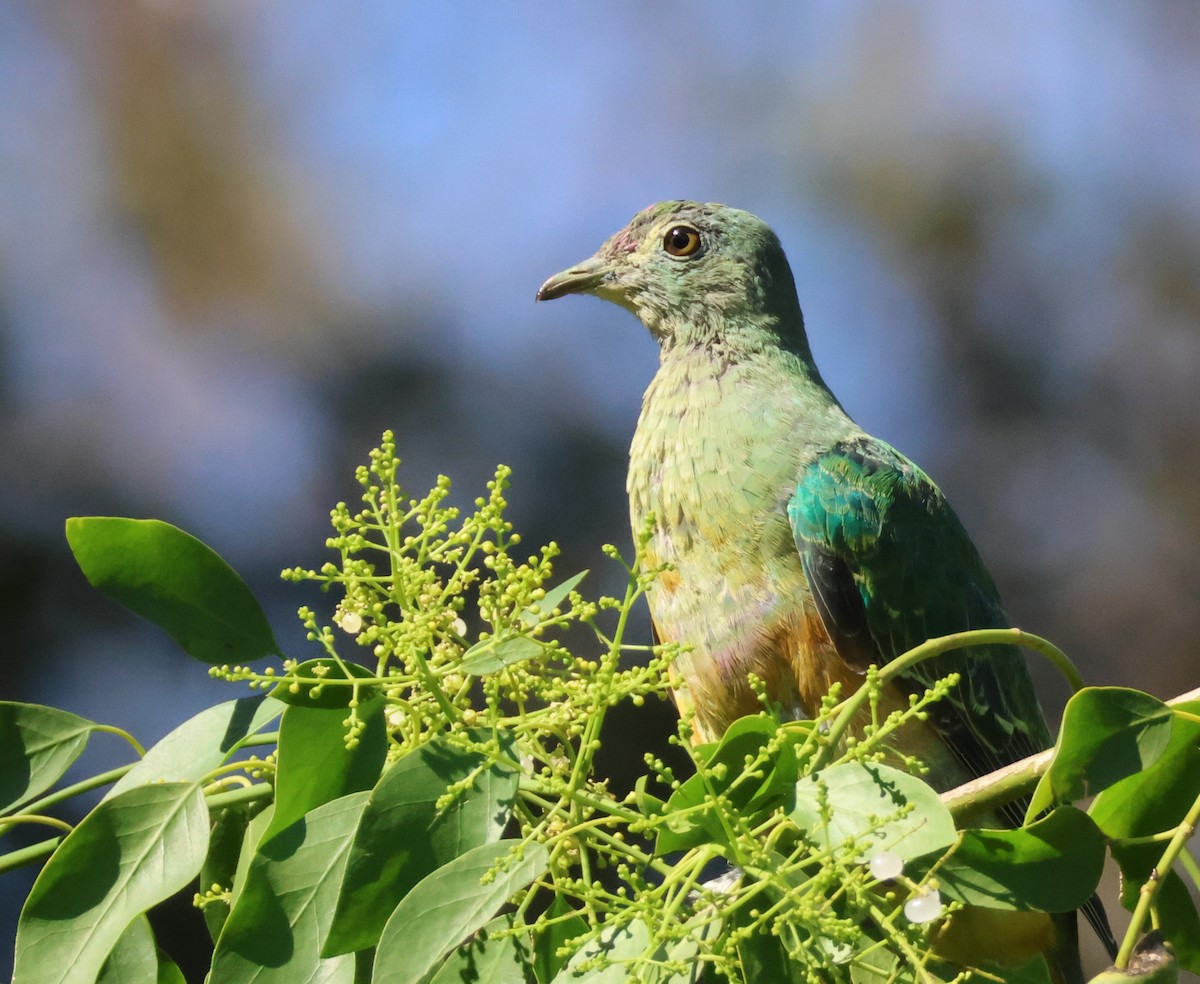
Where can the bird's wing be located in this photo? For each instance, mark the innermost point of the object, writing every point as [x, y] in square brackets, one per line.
[889, 566]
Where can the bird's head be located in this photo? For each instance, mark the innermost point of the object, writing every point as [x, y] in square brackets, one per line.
[695, 274]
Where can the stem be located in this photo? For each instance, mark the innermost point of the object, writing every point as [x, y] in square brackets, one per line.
[1160, 838]
[694, 871]
[997, 788]
[1152, 885]
[589, 740]
[228, 770]
[1015, 779]
[121, 733]
[236, 782]
[886, 921]
[103, 779]
[851, 706]
[260, 738]
[235, 797]
[1188, 863]
[431, 683]
[984, 637]
[610, 807]
[27, 855]
[36, 818]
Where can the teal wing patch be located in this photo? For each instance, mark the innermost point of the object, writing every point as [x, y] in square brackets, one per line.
[889, 566]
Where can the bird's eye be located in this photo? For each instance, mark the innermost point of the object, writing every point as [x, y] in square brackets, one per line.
[681, 241]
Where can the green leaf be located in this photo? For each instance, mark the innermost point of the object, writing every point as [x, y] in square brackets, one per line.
[762, 955]
[220, 865]
[1177, 915]
[1107, 733]
[323, 694]
[485, 959]
[775, 782]
[864, 800]
[1151, 963]
[690, 819]
[1153, 801]
[200, 744]
[1033, 971]
[492, 655]
[127, 855]
[1053, 865]
[564, 927]
[175, 581]
[249, 850]
[1158, 798]
[168, 970]
[554, 597]
[136, 959]
[449, 905]
[278, 924]
[876, 966]
[648, 804]
[615, 947]
[403, 836]
[1136, 861]
[1179, 922]
[314, 764]
[37, 745]
[626, 954]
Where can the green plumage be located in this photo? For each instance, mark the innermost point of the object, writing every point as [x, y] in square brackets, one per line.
[889, 566]
[802, 549]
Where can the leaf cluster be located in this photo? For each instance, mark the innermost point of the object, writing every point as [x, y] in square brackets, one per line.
[419, 802]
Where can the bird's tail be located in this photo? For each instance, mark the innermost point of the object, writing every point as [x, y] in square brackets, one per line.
[1093, 909]
[1063, 956]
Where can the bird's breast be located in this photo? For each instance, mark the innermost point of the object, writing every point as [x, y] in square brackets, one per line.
[714, 460]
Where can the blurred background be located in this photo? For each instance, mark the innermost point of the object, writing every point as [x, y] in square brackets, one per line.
[240, 238]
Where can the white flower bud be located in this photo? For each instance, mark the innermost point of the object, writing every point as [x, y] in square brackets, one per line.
[923, 908]
[886, 865]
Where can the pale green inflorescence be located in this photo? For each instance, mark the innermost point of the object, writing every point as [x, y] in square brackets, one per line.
[464, 638]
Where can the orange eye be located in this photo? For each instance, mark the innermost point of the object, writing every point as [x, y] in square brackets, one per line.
[681, 241]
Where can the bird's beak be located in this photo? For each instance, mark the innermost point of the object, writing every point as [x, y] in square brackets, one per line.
[583, 278]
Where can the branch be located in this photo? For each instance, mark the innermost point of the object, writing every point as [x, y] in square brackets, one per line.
[1013, 781]
[849, 709]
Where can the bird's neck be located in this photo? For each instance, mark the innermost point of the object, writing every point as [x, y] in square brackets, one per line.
[730, 331]
[711, 399]
[762, 359]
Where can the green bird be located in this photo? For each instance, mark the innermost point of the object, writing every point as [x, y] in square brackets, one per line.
[801, 548]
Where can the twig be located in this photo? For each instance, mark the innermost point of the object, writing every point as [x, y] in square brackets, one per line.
[849, 708]
[1014, 780]
[1150, 888]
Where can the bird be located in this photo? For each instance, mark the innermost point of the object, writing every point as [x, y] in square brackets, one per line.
[794, 545]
